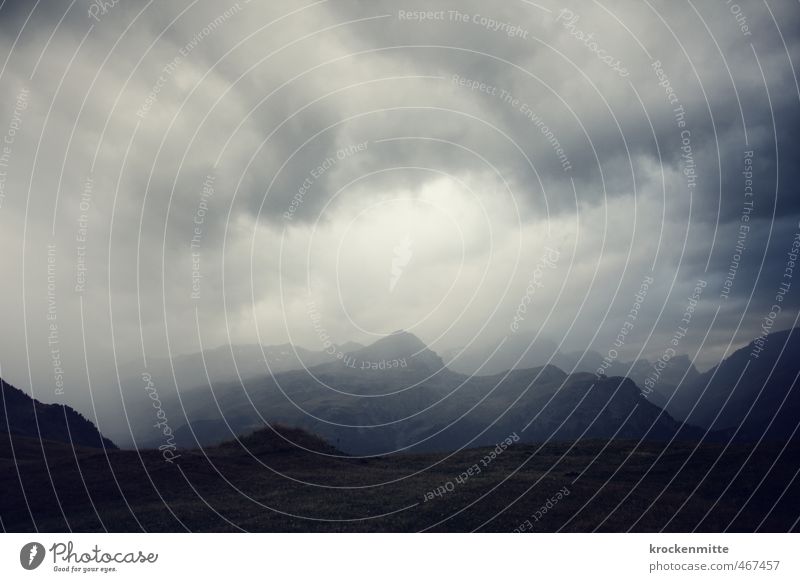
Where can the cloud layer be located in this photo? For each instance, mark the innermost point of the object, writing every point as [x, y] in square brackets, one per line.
[210, 173]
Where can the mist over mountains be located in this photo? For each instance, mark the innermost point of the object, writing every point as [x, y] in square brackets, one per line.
[398, 395]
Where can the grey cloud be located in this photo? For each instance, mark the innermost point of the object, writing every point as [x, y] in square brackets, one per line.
[373, 91]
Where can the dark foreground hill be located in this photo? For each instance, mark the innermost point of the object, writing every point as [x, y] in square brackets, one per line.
[25, 416]
[271, 482]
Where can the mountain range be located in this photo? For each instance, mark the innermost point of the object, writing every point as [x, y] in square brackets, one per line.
[750, 395]
[522, 350]
[398, 395]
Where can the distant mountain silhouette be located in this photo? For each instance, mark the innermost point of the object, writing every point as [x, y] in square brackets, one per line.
[749, 396]
[226, 363]
[400, 345]
[367, 403]
[520, 351]
[398, 355]
[21, 415]
[397, 394]
[184, 380]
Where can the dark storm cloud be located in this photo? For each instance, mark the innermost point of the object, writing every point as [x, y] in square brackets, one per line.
[497, 112]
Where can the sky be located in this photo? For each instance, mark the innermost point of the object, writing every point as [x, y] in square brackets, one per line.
[184, 175]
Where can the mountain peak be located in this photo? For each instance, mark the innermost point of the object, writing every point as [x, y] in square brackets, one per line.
[402, 347]
[398, 342]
